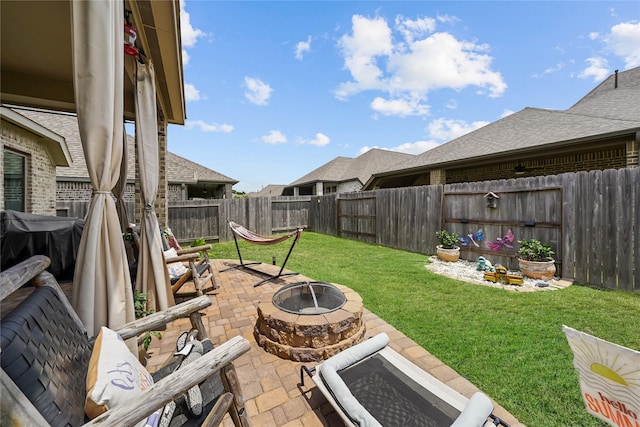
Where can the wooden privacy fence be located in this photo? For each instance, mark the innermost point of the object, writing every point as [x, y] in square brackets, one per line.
[492, 230]
[592, 220]
[79, 208]
[208, 219]
[401, 218]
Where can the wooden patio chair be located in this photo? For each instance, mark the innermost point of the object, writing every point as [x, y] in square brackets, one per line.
[197, 265]
[46, 350]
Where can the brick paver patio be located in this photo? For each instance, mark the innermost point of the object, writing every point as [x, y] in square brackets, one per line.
[270, 385]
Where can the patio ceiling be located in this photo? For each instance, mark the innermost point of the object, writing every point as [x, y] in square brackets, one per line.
[36, 61]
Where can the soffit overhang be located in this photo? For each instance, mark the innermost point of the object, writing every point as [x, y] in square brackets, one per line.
[36, 55]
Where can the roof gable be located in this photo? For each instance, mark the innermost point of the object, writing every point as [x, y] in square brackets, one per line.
[605, 111]
[342, 169]
[268, 191]
[528, 129]
[54, 144]
[331, 171]
[629, 79]
[618, 104]
[179, 169]
[373, 161]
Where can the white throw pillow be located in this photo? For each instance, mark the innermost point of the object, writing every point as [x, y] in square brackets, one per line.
[175, 269]
[114, 377]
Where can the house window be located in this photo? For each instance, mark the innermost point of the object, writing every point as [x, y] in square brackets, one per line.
[14, 181]
[328, 189]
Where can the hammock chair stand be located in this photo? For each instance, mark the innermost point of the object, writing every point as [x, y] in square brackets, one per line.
[251, 237]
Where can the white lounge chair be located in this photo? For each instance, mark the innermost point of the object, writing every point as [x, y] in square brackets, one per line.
[372, 385]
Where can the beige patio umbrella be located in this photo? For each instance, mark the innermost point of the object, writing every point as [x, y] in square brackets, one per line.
[102, 294]
[152, 278]
[121, 186]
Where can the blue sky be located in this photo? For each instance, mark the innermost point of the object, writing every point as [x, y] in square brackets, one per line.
[277, 89]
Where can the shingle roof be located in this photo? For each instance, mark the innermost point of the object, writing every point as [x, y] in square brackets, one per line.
[603, 111]
[342, 169]
[629, 79]
[65, 125]
[619, 104]
[179, 169]
[331, 171]
[269, 190]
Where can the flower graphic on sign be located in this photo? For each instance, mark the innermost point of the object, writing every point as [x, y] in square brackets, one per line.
[609, 378]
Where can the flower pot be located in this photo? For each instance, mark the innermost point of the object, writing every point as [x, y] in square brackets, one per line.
[538, 269]
[142, 355]
[451, 255]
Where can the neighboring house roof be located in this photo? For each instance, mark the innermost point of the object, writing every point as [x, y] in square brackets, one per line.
[66, 125]
[179, 169]
[269, 190]
[343, 169]
[55, 144]
[629, 79]
[605, 111]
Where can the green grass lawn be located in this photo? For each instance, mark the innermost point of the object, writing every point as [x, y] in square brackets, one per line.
[509, 344]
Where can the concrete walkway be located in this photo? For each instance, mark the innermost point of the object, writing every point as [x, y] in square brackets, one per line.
[270, 385]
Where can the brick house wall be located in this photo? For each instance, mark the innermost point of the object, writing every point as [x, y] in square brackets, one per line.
[73, 197]
[73, 190]
[82, 190]
[162, 204]
[40, 172]
[174, 192]
[610, 158]
[632, 152]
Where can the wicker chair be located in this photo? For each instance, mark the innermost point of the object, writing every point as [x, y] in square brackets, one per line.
[46, 351]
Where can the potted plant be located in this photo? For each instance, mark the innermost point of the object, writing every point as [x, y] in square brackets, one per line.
[140, 309]
[536, 259]
[448, 249]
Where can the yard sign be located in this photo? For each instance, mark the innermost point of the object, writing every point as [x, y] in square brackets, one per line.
[609, 378]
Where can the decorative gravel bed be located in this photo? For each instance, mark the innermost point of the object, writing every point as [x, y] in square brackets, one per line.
[466, 271]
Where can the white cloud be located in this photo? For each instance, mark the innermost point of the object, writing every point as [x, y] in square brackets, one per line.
[408, 69]
[302, 48]
[448, 19]
[274, 137]
[371, 38]
[188, 34]
[407, 148]
[258, 92]
[452, 104]
[624, 41]
[506, 113]
[365, 149]
[191, 93]
[399, 107]
[598, 69]
[411, 29]
[442, 61]
[208, 127]
[415, 147]
[185, 57]
[593, 35]
[320, 141]
[559, 66]
[449, 129]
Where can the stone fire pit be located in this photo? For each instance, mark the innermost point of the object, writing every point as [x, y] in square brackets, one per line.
[309, 321]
